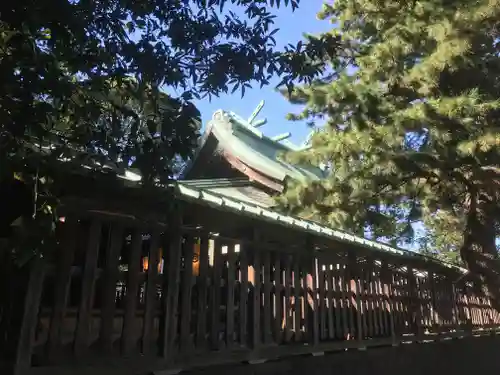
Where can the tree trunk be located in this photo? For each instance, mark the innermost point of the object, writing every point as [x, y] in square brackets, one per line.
[479, 249]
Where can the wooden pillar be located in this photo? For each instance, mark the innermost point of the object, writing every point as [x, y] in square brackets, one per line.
[243, 296]
[287, 316]
[387, 283]
[230, 300]
[455, 307]
[268, 333]
[128, 340]
[256, 303]
[278, 299]
[370, 321]
[203, 278]
[434, 303]
[355, 283]
[82, 332]
[297, 302]
[62, 286]
[430, 277]
[215, 339]
[151, 304]
[414, 304]
[28, 317]
[171, 281]
[186, 292]
[315, 322]
[469, 324]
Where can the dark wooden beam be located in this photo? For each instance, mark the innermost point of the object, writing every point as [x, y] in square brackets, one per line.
[253, 174]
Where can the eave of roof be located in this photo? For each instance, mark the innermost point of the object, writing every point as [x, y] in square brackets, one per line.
[188, 193]
[240, 189]
[209, 183]
[185, 192]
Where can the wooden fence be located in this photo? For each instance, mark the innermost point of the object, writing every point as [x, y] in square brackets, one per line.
[174, 297]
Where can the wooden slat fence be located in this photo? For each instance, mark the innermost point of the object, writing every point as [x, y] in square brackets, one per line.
[121, 289]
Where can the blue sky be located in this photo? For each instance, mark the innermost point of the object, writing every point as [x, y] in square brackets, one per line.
[292, 26]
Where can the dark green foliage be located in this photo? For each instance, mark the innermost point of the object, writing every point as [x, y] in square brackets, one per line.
[412, 135]
[85, 77]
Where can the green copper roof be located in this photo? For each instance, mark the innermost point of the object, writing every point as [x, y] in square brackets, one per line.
[245, 141]
[259, 151]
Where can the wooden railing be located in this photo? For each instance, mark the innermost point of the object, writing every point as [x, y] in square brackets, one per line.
[202, 298]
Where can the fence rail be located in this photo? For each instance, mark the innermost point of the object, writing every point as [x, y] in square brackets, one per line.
[124, 290]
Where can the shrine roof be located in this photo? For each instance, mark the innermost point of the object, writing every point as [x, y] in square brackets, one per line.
[243, 140]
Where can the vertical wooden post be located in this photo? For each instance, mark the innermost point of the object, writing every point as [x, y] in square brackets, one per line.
[305, 293]
[337, 293]
[201, 323]
[412, 294]
[322, 299]
[297, 304]
[278, 298]
[387, 281]
[368, 308]
[129, 337]
[430, 277]
[315, 329]
[29, 318]
[460, 306]
[88, 284]
[455, 307]
[288, 286]
[256, 336]
[433, 302]
[243, 297]
[216, 295]
[186, 292]
[378, 302]
[62, 284]
[344, 281]
[151, 301]
[108, 292]
[468, 316]
[331, 299]
[170, 292]
[354, 270]
[268, 337]
[230, 302]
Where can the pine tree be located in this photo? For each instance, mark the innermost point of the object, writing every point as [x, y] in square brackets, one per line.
[412, 133]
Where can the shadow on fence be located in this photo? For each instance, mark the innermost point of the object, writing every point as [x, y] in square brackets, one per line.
[179, 296]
